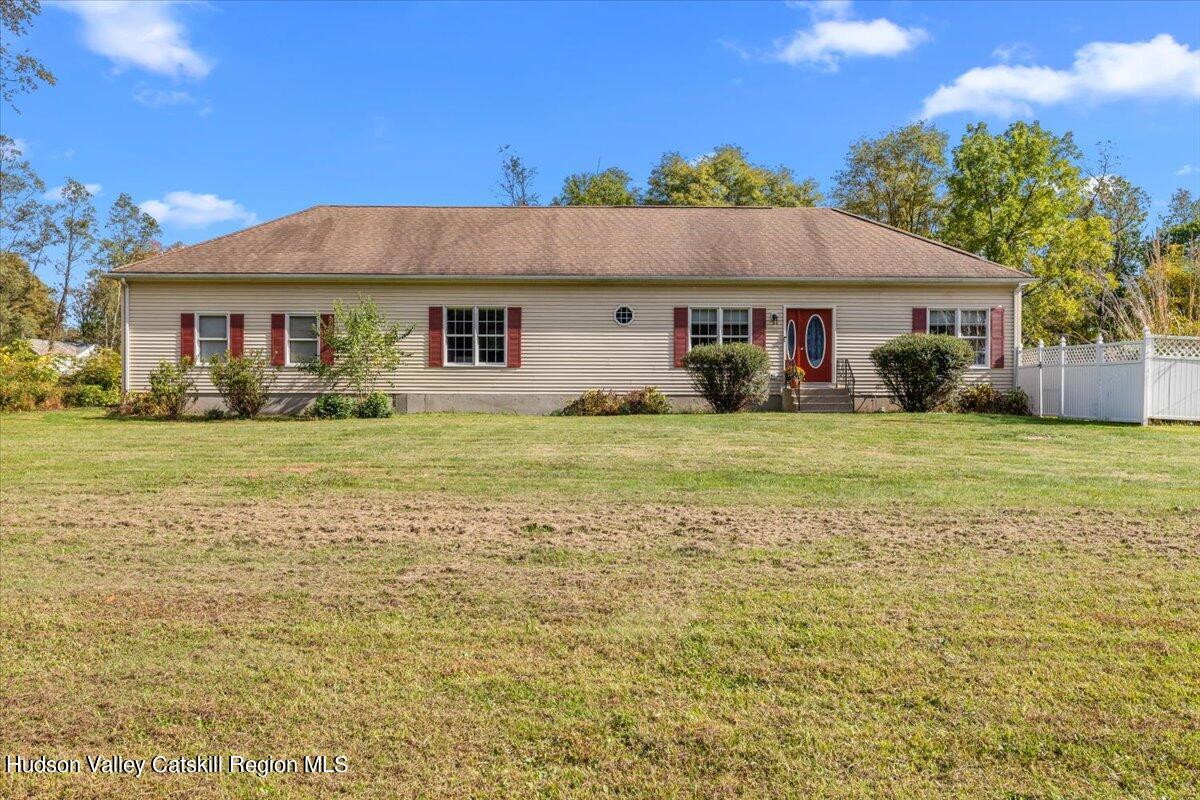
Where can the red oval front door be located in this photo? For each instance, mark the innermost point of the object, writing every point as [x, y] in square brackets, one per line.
[813, 342]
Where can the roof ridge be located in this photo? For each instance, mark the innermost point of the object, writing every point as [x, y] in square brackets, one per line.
[554, 207]
[927, 239]
[164, 253]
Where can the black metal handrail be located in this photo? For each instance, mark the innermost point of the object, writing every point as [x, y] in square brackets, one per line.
[845, 375]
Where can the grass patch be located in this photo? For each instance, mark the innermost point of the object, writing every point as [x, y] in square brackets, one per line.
[481, 606]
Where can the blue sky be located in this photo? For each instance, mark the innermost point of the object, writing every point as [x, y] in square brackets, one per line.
[216, 115]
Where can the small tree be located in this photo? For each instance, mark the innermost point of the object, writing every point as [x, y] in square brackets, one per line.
[729, 376]
[365, 346]
[171, 387]
[244, 381]
[922, 371]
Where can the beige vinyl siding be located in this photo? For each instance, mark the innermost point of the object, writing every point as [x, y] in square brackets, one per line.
[569, 339]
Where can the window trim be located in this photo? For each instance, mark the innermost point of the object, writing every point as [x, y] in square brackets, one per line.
[446, 362]
[721, 322]
[987, 330]
[287, 337]
[632, 314]
[196, 338]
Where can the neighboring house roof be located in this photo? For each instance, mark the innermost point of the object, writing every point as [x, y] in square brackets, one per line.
[574, 242]
[69, 349]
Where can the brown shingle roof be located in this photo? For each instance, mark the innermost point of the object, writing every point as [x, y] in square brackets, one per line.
[608, 242]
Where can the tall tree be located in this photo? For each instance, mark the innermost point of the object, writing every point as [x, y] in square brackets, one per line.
[1018, 198]
[26, 309]
[1181, 224]
[20, 73]
[725, 177]
[1125, 207]
[26, 226]
[74, 239]
[608, 188]
[516, 180]
[896, 179]
[129, 235]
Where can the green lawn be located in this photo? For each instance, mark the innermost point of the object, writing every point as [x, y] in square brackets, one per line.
[760, 605]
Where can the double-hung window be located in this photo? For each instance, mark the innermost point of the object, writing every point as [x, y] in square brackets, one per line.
[475, 336]
[719, 326]
[968, 324]
[212, 335]
[303, 339]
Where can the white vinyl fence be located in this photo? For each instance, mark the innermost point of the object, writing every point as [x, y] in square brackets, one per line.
[1155, 377]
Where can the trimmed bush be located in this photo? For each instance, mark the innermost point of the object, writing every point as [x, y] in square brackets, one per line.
[333, 406]
[922, 371]
[729, 376]
[985, 399]
[376, 405]
[90, 395]
[171, 388]
[244, 381]
[27, 381]
[644, 401]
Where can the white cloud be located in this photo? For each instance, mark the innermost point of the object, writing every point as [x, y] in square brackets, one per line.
[139, 34]
[55, 194]
[1013, 51]
[1186, 169]
[156, 98]
[1103, 71]
[191, 210]
[834, 36]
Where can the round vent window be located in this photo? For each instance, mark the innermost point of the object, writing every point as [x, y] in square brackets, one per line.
[623, 315]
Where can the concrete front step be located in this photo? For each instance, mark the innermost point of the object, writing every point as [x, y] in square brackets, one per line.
[818, 399]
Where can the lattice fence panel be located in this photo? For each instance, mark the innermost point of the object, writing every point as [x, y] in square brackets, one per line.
[1122, 352]
[1079, 355]
[1177, 347]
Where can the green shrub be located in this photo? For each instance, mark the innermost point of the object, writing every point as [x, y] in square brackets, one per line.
[729, 376]
[986, 399]
[138, 404]
[376, 405]
[244, 382]
[27, 381]
[593, 403]
[645, 401]
[102, 368]
[333, 406]
[922, 371]
[89, 395]
[171, 388]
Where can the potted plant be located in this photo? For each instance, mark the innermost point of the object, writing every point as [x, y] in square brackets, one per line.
[792, 375]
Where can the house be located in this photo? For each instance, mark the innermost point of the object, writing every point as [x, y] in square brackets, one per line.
[520, 309]
[66, 354]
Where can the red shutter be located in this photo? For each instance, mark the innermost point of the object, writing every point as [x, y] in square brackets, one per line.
[326, 347]
[237, 334]
[997, 337]
[758, 327]
[435, 336]
[512, 358]
[681, 334]
[920, 320]
[278, 323]
[187, 335]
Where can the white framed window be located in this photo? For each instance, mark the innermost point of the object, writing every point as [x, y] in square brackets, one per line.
[212, 335]
[475, 336]
[303, 339]
[969, 324]
[623, 315]
[719, 326]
